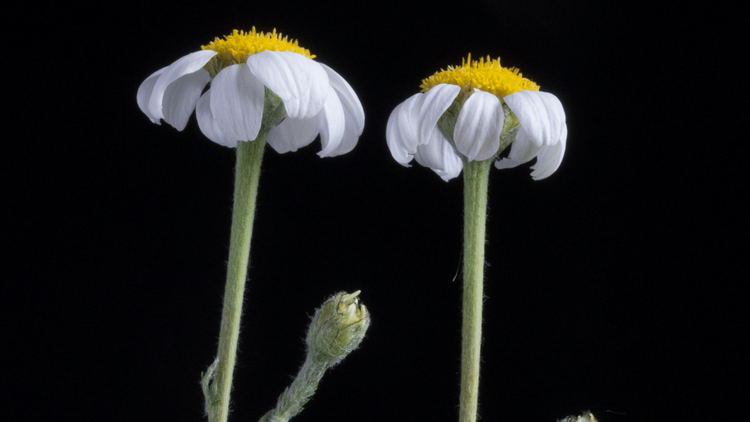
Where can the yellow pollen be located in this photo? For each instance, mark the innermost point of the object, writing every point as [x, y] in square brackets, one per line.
[237, 47]
[487, 76]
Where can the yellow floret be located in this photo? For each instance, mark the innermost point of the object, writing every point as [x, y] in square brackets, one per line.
[237, 47]
[487, 76]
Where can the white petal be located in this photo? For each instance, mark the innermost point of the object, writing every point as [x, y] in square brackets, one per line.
[292, 134]
[301, 83]
[181, 96]
[432, 154]
[435, 102]
[401, 132]
[522, 150]
[556, 114]
[351, 134]
[477, 131]
[540, 113]
[331, 124]
[550, 157]
[237, 102]
[439, 155]
[188, 64]
[208, 125]
[452, 171]
[144, 93]
[353, 113]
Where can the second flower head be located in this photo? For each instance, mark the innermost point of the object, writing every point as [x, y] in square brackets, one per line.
[473, 112]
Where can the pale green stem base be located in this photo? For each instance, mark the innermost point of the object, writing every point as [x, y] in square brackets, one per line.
[476, 175]
[247, 173]
[293, 399]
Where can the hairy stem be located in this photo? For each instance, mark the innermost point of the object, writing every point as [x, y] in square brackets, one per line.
[476, 175]
[293, 399]
[247, 173]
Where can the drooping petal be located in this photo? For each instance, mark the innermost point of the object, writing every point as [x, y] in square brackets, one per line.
[181, 96]
[556, 114]
[301, 83]
[522, 150]
[331, 124]
[478, 127]
[188, 64]
[549, 158]
[144, 93]
[439, 155]
[452, 171]
[401, 132]
[292, 134]
[435, 102]
[237, 102]
[354, 115]
[208, 125]
[540, 113]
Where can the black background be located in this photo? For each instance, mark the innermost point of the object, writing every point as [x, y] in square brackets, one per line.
[614, 285]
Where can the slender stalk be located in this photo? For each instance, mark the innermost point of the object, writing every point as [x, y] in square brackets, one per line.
[247, 173]
[476, 175]
[292, 400]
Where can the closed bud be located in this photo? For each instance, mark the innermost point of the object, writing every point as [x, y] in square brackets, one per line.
[587, 416]
[337, 327]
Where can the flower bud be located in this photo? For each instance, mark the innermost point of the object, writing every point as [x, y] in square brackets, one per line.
[587, 416]
[337, 327]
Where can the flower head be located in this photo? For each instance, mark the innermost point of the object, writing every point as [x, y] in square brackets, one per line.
[258, 81]
[473, 112]
[338, 327]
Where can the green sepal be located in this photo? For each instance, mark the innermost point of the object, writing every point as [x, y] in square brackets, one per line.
[511, 125]
[273, 110]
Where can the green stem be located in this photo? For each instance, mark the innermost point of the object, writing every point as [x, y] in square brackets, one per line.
[476, 176]
[292, 400]
[247, 173]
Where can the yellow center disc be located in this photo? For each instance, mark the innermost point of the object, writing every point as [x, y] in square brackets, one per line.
[487, 76]
[237, 47]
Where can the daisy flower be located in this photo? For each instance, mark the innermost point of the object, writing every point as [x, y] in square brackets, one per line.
[472, 113]
[262, 88]
[258, 82]
[461, 121]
